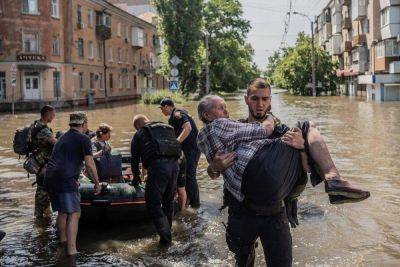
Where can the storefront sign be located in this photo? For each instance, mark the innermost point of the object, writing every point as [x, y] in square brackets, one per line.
[30, 57]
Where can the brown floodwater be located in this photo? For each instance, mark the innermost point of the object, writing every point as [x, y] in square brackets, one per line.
[363, 137]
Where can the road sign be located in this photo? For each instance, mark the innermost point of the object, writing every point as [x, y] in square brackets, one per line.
[174, 79]
[175, 61]
[173, 86]
[174, 72]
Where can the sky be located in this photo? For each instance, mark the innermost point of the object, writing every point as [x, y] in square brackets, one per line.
[267, 20]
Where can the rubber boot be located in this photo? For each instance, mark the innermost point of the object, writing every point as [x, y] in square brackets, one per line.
[164, 230]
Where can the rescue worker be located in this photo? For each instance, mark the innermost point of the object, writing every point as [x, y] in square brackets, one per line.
[186, 133]
[155, 145]
[62, 174]
[41, 141]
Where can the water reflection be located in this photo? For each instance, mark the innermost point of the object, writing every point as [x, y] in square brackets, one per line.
[365, 142]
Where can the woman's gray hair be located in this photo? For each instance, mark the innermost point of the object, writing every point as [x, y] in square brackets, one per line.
[205, 105]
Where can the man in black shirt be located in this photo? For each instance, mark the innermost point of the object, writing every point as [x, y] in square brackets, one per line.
[62, 174]
[162, 170]
[186, 133]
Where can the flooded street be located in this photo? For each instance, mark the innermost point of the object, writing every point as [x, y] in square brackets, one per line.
[364, 139]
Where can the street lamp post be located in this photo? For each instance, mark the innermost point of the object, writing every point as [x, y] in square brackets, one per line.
[314, 84]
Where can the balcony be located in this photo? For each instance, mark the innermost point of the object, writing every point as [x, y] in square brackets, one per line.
[394, 67]
[359, 40]
[137, 37]
[346, 46]
[391, 25]
[327, 30]
[103, 32]
[346, 23]
[335, 45]
[386, 3]
[337, 23]
[337, 8]
[358, 9]
[360, 59]
[345, 2]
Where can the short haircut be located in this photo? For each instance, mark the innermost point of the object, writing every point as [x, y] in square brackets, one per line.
[45, 110]
[258, 83]
[139, 119]
[104, 128]
[205, 105]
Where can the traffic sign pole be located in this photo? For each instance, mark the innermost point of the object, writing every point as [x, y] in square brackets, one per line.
[13, 73]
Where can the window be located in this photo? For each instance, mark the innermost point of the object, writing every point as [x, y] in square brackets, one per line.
[91, 82]
[55, 13]
[127, 33]
[1, 44]
[90, 18]
[79, 17]
[90, 49]
[119, 55]
[127, 56]
[100, 50]
[354, 54]
[111, 81]
[101, 82]
[80, 48]
[30, 6]
[365, 26]
[120, 81]
[2, 85]
[392, 48]
[81, 80]
[385, 17]
[110, 55]
[56, 84]
[31, 42]
[380, 50]
[107, 20]
[56, 45]
[119, 29]
[129, 82]
[135, 82]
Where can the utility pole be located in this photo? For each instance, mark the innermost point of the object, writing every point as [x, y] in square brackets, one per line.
[314, 78]
[207, 66]
[314, 85]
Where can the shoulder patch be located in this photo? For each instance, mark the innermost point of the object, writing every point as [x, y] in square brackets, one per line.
[177, 114]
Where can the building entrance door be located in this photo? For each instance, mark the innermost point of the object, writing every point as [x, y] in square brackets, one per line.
[32, 85]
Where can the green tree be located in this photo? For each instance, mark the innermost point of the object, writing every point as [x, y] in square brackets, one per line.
[180, 26]
[293, 70]
[230, 57]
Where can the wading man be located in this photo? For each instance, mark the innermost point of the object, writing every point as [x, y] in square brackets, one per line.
[186, 133]
[155, 145]
[62, 174]
[41, 141]
[265, 173]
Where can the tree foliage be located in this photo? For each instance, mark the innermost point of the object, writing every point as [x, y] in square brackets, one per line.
[183, 25]
[230, 57]
[180, 27]
[291, 68]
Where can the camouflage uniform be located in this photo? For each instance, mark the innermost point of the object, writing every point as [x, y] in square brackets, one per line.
[42, 148]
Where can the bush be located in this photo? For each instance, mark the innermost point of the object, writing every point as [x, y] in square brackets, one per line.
[156, 97]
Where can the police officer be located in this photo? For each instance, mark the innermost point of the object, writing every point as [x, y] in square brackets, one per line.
[41, 141]
[186, 133]
[155, 145]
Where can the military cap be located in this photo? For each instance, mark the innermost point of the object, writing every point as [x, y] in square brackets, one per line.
[77, 118]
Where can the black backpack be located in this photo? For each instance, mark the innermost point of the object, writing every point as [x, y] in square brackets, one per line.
[20, 142]
[22, 138]
[163, 138]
